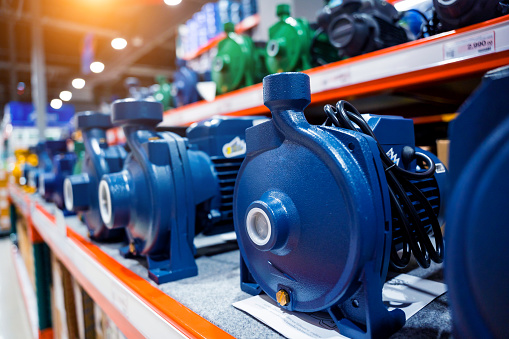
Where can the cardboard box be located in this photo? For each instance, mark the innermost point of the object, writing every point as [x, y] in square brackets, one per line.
[443, 151]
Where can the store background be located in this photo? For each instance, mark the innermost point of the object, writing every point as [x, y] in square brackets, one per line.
[77, 33]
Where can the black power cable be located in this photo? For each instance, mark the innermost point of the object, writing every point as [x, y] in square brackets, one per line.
[415, 238]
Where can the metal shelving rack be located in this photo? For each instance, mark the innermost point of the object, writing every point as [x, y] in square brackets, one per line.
[435, 59]
[141, 309]
[430, 60]
[138, 308]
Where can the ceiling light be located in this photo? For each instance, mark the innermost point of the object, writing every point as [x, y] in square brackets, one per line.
[65, 95]
[97, 67]
[172, 2]
[78, 83]
[56, 104]
[119, 43]
[137, 41]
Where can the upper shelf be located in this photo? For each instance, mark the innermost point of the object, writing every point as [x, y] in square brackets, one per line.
[471, 50]
[241, 27]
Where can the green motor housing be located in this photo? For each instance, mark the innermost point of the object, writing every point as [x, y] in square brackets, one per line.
[79, 150]
[238, 63]
[163, 92]
[289, 45]
[322, 52]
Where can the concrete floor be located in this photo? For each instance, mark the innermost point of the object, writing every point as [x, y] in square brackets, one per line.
[14, 322]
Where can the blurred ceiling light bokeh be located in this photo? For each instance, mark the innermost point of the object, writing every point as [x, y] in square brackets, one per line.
[78, 83]
[97, 67]
[65, 95]
[119, 43]
[172, 2]
[56, 104]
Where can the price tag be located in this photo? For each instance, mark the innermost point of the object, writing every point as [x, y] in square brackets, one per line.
[473, 46]
[330, 79]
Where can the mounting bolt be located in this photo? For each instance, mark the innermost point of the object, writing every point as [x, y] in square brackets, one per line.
[283, 298]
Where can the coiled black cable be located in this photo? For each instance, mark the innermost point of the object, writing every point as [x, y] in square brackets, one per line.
[415, 239]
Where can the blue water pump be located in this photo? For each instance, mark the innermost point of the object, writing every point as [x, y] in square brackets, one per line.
[460, 13]
[477, 269]
[184, 85]
[356, 27]
[80, 190]
[171, 187]
[51, 184]
[321, 211]
[45, 152]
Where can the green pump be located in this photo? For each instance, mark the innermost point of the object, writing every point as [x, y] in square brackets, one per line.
[79, 150]
[163, 92]
[238, 63]
[289, 46]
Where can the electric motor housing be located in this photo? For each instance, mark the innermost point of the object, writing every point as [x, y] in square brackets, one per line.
[183, 88]
[357, 27]
[79, 150]
[45, 152]
[312, 211]
[222, 139]
[162, 92]
[453, 14]
[238, 63]
[80, 190]
[51, 184]
[289, 45]
[477, 272]
[167, 183]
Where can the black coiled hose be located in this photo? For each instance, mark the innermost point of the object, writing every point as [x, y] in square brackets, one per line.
[415, 239]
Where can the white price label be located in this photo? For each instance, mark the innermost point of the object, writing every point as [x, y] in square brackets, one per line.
[475, 45]
[334, 78]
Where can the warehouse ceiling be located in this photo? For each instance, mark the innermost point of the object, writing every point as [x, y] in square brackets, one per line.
[149, 26]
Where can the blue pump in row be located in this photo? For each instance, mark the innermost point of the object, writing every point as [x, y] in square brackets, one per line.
[45, 152]
[313, 214]
[171, 187]
[80, 190]
[51, 184]
[477, 269]
[184, 89]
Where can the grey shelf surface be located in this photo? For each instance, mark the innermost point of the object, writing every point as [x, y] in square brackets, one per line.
[217, 286]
